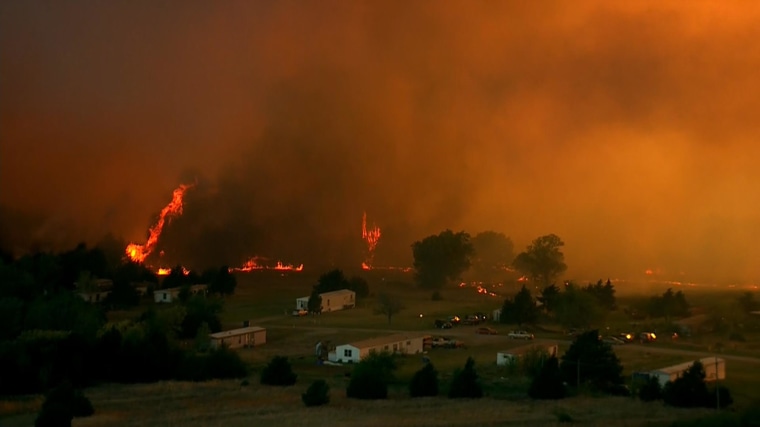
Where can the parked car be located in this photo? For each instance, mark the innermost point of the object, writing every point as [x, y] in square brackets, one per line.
[625, 337]
[471, 320]
[300, 312]
[646, 337]
[613, 340]
[520, 335]
[486, 331]
[482, 316]
[454, 320]
[443, 324]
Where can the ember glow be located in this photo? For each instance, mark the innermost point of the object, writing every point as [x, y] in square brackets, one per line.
[259, 263]
[166, 271]
[371, 236]
[137, 252]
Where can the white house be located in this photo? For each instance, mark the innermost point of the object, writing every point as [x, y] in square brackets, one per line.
[714, 367]
[171, 294]
[94, 296]
[331, 301]
[508, 357]
[397, 344]
[242, 337]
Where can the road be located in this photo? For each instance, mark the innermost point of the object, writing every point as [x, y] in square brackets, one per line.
[467, 334]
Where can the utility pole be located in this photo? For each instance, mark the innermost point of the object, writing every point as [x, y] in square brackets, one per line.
[717, 388]
[578, 364]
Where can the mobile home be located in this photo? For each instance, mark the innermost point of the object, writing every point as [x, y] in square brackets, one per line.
[331, 301]
[242, 337]
[396, 344]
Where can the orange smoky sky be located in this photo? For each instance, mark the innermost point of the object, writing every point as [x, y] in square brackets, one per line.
[629, 129]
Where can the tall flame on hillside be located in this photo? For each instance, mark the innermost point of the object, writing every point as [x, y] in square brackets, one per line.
[137, 252]
[371, 236]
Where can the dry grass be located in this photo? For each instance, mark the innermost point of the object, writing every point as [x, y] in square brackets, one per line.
[226, 403]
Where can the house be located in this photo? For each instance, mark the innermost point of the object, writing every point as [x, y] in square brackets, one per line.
[507, 357]
[171, 294]
[96, 290]
[712, 366]
[331, 301]
[397, 344]
[242, 337]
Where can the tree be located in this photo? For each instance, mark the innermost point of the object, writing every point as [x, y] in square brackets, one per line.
[542, 261]
[524, 308]
[577, 309]
[688, 390]
[548, 384]
[670, 304]
[592, 361]
[603, 293]
[314, 305]
[441, 258]
[360, 286]
[200, 310]
[465, 382]
[335, 280]
[651, 390]
[370, 377]
[222, 282]
[61, 405]
[549, 297]
[317, 394]
[493, 253]
[175, 279]
[278, 372]
[747, 302]
[388, 305]
[424, 382]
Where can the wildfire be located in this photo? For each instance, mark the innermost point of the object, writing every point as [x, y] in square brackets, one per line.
[371, 236]
[256, 263]
[166, 271]
[137, 252]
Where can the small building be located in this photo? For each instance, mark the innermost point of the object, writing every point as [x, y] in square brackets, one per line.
[331, 301]
[496, 315]
[95, 295]
[171, 294]
[242, 337]
[507, 357]
[715, 369]
[396, 344]
[95, 290]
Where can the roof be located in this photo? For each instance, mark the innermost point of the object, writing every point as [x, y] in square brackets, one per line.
[378, 341]
[684, 366]
[172, 290]
[525, 348]
[332, 293]
[235, 332]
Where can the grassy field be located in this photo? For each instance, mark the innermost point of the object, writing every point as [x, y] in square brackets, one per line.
[267, 299]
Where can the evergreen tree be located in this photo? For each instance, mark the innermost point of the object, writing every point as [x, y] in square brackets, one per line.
[548, 384]
[278, 372]
[465, 383]
[592, 361]
[424, 382]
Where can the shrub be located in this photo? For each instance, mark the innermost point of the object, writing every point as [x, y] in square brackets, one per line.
[278, 372]
[651, 390]
[225, 363]
[465, 382]
[548, 383]
[369, 378]
[424, 382]
[61, 405]
[688, 390]
[317, 394]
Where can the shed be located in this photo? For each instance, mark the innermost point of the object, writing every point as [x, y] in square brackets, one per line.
[241, 337]
[171, 294]
[331, 301]
[715, 369]
[396, 344]
[507, 357]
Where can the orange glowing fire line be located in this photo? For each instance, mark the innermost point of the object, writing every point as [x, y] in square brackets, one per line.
[371, 236]
[252, 265]
[137, 252]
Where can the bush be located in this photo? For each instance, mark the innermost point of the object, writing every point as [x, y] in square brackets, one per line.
[651, 390]
[688, 390]
[424, 382]
[317, 394]
[225, 363]
[465, 382]
[278, 372]
[369, 378]
[548, 383]
[61, 405]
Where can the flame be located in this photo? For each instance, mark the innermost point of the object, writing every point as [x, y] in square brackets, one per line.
[253, 263]
[166, 271]
[371, 236]
[137, 252]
